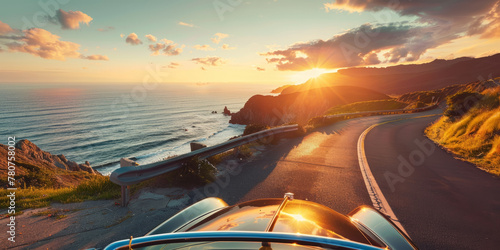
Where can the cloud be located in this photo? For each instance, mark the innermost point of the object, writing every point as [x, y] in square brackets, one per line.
[436, 23]
[106, 29]
[348, 49]
[227, 47]
[472, 17]
[72, 19]
[171, 50]
[341, 5]
[186, 24]
[422, 8]
[166, 41]
[151, 38]
[204, 47]
[133, 39]
[96, 57]
[209, 61]
[5, 28]
[173, 65]
[168, 49]
[218, 37]
[372, 59]
[260, 69]
[42, 43]
[156, 48]
[488, 25]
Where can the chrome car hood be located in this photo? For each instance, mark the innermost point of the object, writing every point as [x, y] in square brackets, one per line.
[297, 216]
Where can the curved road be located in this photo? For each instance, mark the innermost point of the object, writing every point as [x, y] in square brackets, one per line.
[443, 203]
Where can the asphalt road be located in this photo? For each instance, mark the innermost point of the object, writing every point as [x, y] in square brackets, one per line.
[443, 203]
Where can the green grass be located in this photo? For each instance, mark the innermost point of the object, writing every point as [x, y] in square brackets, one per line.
[97, 188]
[388, 104]
[475, 136]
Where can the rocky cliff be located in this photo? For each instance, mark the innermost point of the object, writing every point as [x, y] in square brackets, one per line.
[299, 107]
[32, 163]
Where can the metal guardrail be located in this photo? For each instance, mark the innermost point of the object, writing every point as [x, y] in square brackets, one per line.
[133, 173]
[129, 175]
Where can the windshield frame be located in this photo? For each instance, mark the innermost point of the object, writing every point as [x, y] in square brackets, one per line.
[241, 236]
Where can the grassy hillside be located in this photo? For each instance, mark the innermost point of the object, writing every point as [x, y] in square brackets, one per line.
[470, 128]
[388, 104]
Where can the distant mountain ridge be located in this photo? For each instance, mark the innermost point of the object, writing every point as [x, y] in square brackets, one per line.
[404, 69]
[401, 79]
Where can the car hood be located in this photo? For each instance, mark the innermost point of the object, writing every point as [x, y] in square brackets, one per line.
[298, 216]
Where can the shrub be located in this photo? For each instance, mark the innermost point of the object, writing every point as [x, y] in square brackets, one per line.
[489, 101]
[420, 104]
[254, 128]
[197, 172]
[216, 159]
[460, 103]
[244, 152]
[35, 177]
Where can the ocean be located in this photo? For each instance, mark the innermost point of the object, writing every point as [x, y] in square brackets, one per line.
[102, 123]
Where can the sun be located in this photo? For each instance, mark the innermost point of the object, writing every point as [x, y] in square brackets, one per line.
[305, 75]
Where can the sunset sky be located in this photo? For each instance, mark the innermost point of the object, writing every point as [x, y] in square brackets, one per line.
[258, 41]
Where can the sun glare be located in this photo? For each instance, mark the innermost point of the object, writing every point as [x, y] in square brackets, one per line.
[303, 76]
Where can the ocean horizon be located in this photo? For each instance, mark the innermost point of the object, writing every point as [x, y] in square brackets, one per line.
[103, 123]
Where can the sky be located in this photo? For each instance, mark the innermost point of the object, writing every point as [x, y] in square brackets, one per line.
[233, 41]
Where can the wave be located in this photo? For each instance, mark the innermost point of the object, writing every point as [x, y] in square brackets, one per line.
[215, 138]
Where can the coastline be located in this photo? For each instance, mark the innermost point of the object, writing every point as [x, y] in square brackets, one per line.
[85, 125]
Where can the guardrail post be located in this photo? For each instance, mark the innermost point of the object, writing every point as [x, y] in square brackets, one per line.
[125, 195]
[196, 145]
[126, 162]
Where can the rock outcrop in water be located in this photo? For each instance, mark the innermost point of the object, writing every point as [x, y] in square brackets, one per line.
[226, 111]
[32, 162]
[300, 107]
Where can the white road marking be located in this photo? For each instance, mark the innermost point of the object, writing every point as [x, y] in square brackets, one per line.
[376, 195]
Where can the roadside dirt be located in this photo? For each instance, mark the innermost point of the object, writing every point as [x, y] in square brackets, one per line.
[95, 224]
